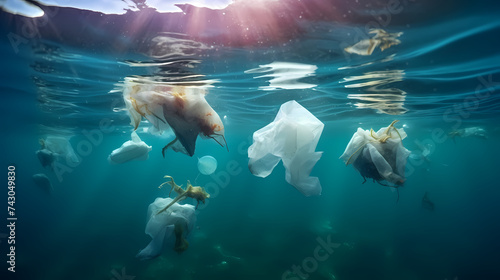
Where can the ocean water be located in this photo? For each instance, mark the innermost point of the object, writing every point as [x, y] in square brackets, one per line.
[63, 75]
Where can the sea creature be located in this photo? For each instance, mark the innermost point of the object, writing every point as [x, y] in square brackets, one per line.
[197, 193]
[379, 155]
[384, 136]
[367, 166]
[179, 220]
[181, 108]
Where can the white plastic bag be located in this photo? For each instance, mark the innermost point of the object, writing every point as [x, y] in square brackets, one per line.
[378, 155]
[61, 147]
[184, 109]
[161, 226]
[134, 149]
[292, 137]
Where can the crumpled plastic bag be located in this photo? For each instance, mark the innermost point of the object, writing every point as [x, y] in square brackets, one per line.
[378, 155]
[134, 149]
[161, 226]
[184, 109]
[56, 148]
[474, 131]
[292, 137]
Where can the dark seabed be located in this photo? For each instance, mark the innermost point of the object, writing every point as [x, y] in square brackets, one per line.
[64, 73]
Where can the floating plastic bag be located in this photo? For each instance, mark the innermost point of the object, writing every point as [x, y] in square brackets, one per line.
[292, 137]
[134, 149]
[474, 131]
[378, 155]
[55, 148]
[182, 108]
[178, 219]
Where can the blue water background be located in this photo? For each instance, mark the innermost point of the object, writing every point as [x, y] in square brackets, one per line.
[92, 225]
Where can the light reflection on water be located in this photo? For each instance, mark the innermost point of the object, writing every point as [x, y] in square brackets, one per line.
[285, 75]
[247, 84]
[375, 93]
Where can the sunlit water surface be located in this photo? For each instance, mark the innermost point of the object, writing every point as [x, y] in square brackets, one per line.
[442, 78]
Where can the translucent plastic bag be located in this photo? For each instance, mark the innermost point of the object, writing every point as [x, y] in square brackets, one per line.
[134, 149]
[184, 109]
[178, 219]
[378, 155]
[292, 137]
[56, 148]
